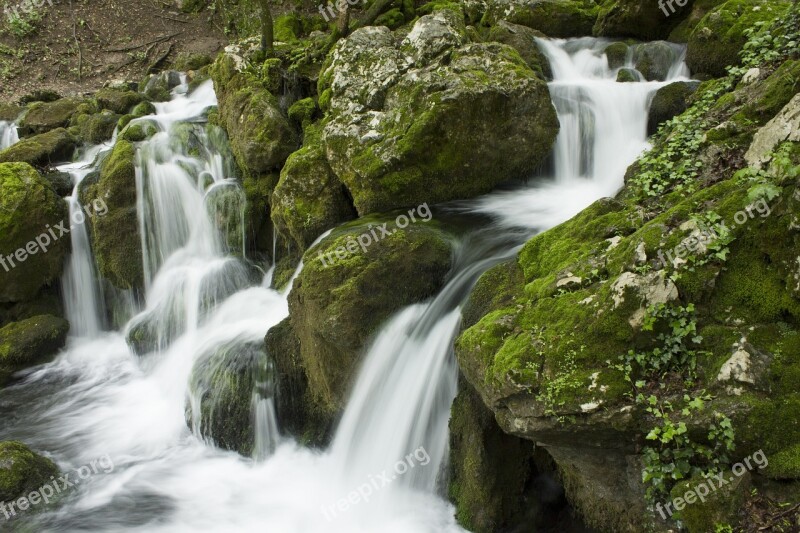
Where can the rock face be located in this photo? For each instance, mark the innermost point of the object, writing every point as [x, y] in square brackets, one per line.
[523, 40]
[22, 470]
[30, 342]
[345, 292]
[417, 122]
[115, 235]
[784, 127]
[31, 256]
[716, 40]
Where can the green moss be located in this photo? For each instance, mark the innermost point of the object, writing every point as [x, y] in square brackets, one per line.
[392, 19]
[22, 470]
[785, 464]
[43, 117]
[28, 206]
[115, 235]
[143, 109]
[46, 149]
[117, 100]
[718, 37]
[303, 111]
[721, 506]
[31, 341]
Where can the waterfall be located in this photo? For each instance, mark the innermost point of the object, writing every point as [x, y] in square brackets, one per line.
[8, 134]
[207, 308]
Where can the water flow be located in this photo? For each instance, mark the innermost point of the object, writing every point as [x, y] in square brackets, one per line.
[8, 134]
[83, 297]
[202, 299]
[603, 131]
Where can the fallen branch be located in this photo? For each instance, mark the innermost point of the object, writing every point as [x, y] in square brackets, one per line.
[159, 40]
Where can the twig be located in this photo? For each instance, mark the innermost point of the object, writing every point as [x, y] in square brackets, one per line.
[160, 59]
[170, 18]
[77, 42]
[159, 40]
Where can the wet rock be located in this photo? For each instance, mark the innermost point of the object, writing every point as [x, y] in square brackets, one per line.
[31, 257]
[44, 150]
[22, 471]
[42, 117]
[639, 19]
[30, 342]
[159, 86]
[523, 40]
[669, 102]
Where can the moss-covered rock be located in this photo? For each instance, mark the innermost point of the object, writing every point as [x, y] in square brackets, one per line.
[187, 61]
[42, 117]
[22, 470]
[721, 506]
[302, 112]
[29, 210]
[523, 40]
[555, 18]
[119, 101]
[98, 127]
[42, 150]
[10, 112]
[260, 133]
[346, 291]
[115, 236]
[639, 19]
[309, 199]
[399, 136]
[158, 87]
[139, 130]
[222, 385]
[617, 54]
[61, 182]
[143, 109]
[30, 342]
[489, 470]
[655, 59]
[627, 75]
[716, 40]
[669, 102]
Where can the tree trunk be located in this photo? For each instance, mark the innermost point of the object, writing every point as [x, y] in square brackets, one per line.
[372, 13]
[267, 31]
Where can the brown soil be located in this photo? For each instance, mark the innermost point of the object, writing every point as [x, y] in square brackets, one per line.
[80, 44]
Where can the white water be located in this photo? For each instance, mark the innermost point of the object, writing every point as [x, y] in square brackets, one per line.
[8, 134]
[98, 398]
[603, 131]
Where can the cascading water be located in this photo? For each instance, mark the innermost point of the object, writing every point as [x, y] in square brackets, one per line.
[8, 134]
[202, 298]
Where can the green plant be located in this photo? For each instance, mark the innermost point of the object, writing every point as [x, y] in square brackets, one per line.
[717, 249]
[674, 353]
[673, 455]
[22, 23]
[563, 383]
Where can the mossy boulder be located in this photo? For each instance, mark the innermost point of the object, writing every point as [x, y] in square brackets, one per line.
[655, 59]
[119, 101]
[143, 109]
[42, 117]
[222, 385]
[523, 40]
[716, 40]
[139, 130]
[46, 149]
[22, 471]
[97, 127]
[555, 18]
[309, 199]
[398, 134]
[345, 292]
[30, 342]
[115, 236]
[61, 182]
[669, 102]
[627, 75]
[29, 208]
[260, 133]
[639, 19]
[617, 54]
[10, 112]
[187, 61]
[158, 87]
[302, 112]
[700, 8]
